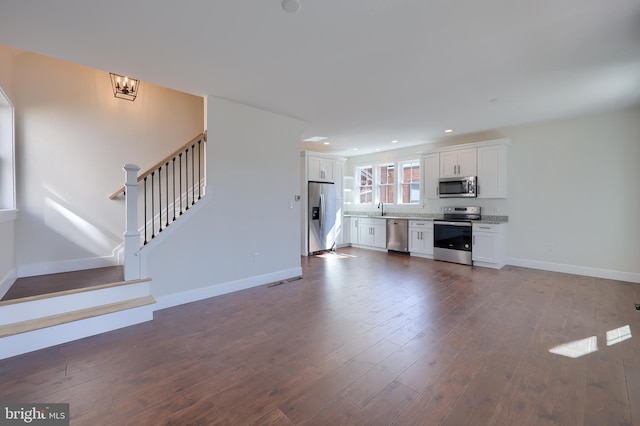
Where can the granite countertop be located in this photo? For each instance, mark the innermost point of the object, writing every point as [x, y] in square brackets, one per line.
[490, 220]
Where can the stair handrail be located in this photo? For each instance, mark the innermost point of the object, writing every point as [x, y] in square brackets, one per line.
[202, 136]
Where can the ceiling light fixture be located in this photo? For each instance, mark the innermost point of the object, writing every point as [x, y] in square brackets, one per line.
[394, 141]
[124, 87]
[315, 139]
[291, 6]
[327, 143]
[449, 131]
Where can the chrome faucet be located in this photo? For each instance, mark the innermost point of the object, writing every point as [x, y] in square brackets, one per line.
[381, 207]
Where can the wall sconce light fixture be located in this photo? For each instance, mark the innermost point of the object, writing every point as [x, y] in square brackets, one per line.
[124, 87]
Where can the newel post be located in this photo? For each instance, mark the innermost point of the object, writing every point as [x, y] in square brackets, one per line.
[131, 234]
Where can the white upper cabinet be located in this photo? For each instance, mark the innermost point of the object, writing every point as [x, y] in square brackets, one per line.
[492, 171]
[430, 175]
[320, 169]
[457, 163]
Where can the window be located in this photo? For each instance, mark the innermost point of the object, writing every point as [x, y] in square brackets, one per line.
[409, 182]
[364, 185]
[387, 183]
[7, 160]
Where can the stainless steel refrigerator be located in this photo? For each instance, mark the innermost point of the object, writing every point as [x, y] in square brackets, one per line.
[323, 219]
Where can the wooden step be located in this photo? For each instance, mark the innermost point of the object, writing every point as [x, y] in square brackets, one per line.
[53, 320]
[73, 291]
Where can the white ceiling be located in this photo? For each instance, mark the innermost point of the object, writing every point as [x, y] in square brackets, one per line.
[360, 72]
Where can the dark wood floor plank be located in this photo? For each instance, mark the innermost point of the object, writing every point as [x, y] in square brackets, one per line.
[44, 284]
[363, 338]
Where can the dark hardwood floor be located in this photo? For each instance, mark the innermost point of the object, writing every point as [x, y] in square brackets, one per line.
[365, 338]
[45, 284]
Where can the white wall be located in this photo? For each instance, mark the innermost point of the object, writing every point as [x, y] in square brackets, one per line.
[253, 175]
[73, 137]
[573, 193]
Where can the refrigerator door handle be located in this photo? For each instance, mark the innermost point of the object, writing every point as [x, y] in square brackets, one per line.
[321, 218]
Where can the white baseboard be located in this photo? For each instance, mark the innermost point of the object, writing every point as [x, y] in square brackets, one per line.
[7, 281]
[423, 255]
[163, 302]
[574, 269]
[45, 268]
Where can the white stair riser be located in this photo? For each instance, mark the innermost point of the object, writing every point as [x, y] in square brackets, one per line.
[46, 337]
[41, 308]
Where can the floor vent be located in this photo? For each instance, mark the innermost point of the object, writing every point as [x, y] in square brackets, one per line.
[277, 283]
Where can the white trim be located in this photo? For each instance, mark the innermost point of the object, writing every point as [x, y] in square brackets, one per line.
[45, 268]
[7, 281]
[8, 215]
[369, 247]
[36, 309]
[163, 302]
[575, 269]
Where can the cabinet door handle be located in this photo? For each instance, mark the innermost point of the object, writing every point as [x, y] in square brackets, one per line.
[437, 190]
[454, 169]
[474, 240]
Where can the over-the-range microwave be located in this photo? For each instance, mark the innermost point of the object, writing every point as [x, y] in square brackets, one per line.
[458, 187]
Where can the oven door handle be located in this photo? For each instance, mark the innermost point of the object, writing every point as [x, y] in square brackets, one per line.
[452, 223]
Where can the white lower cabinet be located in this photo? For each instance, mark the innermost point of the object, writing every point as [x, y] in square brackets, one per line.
[421, 238]
[344, 237]
[488, 245]
[372, 232]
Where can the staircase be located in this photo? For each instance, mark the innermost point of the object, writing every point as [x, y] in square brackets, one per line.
[164, 192]
[38, 322]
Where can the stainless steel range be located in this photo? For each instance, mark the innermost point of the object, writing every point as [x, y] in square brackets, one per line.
[452, 240]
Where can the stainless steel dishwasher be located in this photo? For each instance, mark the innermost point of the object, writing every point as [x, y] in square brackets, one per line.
[397, 235]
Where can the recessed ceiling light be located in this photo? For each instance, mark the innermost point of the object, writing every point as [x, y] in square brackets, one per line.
[315, 139]
[448, 131]
[355, 149]
[291, 6]
[394, 141]
[377, 149]
[327, 143]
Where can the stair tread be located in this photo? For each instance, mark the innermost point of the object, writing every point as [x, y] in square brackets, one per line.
[80, 314]
[72, 291]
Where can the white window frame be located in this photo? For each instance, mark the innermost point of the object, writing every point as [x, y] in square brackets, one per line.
[7, 159]
[376, 179]
[401, 182]
[379, 185]
[358, 187]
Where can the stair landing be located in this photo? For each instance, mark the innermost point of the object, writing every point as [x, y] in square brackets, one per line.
[54, 283]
